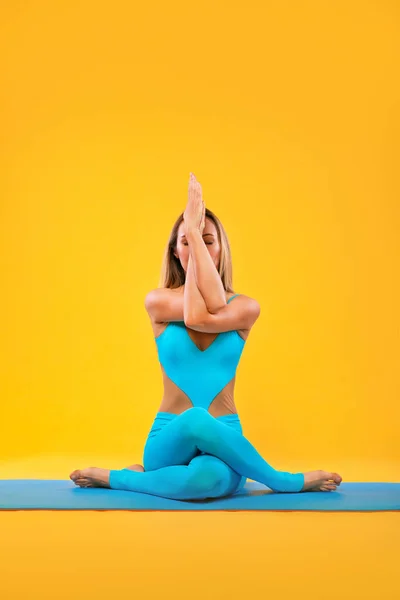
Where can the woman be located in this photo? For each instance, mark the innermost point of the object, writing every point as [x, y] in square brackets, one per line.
[195, 448]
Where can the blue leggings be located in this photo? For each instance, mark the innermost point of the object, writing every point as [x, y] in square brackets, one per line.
[193, 456]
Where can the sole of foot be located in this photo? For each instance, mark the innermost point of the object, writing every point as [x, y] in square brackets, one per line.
[321, 481]
[139, 468]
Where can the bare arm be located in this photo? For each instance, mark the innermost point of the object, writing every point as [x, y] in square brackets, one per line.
[219, 316]
[194, 306]
[207, 278]
[165, 305]
[241, 313]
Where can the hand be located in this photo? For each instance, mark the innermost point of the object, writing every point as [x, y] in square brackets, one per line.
[194, 215]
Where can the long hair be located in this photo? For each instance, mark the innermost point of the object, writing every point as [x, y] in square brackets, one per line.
[172, 273]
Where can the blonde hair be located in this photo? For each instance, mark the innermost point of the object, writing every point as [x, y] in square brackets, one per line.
[172, 273]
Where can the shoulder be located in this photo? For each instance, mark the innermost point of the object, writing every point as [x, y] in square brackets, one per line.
[160, 294]
[244, 310]
[247, 302]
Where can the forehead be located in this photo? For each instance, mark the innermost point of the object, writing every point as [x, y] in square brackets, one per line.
[209, 228]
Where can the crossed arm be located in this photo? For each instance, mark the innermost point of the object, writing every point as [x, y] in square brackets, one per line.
[203, 305]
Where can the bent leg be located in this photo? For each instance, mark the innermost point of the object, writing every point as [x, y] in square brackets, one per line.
[196, 430]
[234, 449]
[204, 477]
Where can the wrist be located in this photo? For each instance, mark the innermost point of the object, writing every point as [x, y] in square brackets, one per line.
[192, 232]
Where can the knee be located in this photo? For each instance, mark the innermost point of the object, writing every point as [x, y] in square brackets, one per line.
[206, 482]
[197, 422]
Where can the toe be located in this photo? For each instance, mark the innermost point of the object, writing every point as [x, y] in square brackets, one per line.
[75, 475]
[327, 488]
[336, 478]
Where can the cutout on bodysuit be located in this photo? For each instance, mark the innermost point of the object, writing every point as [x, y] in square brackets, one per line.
[189, 401]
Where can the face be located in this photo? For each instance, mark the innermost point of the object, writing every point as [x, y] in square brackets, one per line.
[210, 237]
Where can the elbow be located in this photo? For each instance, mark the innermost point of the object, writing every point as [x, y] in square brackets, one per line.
[192, 321]
[153, 305]
[150, 301]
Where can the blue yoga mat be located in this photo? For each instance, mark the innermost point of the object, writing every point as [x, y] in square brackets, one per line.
[60, 494]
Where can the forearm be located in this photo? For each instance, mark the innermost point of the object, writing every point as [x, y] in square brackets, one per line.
[207, 278]
[194, 306]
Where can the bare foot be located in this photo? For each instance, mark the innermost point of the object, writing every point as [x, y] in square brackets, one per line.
[136, 468]
[320, 481]
[91, 477]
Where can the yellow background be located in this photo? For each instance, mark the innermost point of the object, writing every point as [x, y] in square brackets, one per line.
[288, 114]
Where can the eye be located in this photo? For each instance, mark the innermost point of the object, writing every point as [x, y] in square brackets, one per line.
[207, 243]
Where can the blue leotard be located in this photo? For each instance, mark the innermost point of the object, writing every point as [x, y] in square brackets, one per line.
[200, 374]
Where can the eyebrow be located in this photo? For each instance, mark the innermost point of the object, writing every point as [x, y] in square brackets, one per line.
[204, 235]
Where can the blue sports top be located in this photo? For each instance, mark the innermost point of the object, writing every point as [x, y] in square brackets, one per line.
[200, 374]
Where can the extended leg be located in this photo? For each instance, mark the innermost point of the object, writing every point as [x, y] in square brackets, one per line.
[204, 477]
[195, 429]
